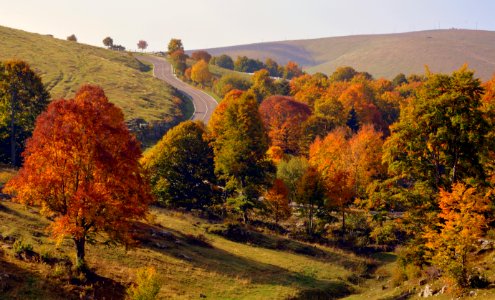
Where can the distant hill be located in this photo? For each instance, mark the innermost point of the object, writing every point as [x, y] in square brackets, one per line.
[64, 66]
[383, 55]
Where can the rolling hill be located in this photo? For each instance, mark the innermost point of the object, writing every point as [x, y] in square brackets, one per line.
[383, 55]
[64, 66]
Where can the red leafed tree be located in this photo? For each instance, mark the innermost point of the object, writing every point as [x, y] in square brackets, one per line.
[81, 166]
[282, 118]
[277, 199]
[201, 55]
[142, 45]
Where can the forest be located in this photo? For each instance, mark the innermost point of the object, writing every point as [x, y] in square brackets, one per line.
[345, 160]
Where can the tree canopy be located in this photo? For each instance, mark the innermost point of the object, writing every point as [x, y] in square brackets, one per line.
[175, 45]
[283, 118]
[22, 98]
[81, 166]
[180, 167]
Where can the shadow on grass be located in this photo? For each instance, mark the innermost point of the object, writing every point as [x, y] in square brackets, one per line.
[60, 282]
[143, 67]
[8, 210]
[202, 255]
[17, 283]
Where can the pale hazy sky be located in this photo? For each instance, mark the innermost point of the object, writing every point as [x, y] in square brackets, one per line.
[213, 23]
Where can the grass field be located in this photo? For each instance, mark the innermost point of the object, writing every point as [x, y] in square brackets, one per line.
[64, 66]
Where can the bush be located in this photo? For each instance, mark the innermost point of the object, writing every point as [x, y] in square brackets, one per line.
[230, 82]
[358, 229]
[398, 276]
[147, 285]
[388, 234]
[20, 247]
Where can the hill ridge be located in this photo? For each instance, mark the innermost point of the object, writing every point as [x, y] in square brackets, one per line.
[383, 55]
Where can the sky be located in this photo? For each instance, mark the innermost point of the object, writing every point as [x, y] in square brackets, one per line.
[214, 23]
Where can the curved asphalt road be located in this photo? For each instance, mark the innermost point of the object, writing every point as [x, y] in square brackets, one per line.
[203, 103]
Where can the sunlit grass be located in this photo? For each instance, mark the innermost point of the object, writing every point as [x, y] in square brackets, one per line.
[64, 66]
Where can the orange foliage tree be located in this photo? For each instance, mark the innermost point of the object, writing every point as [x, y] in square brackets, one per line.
[462, 223]
[200, 73]
[215, 125]
[347, 164]
[282, 118]
[366, 158]
[360, 97]
[81, 166]
[488, 108]
[309, 88]
[277, 200]
[292, 70]
[331, 158]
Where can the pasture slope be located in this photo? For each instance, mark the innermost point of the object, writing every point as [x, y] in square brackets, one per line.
[64, 66]
[382, 55]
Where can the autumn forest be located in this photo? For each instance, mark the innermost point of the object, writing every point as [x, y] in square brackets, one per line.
[392, 181]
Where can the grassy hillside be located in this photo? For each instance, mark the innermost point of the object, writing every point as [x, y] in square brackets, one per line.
[64, 66]
[190, 260]
[383, 55]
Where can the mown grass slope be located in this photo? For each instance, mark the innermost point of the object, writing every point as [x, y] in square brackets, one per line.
[64, 66]
[383, 55]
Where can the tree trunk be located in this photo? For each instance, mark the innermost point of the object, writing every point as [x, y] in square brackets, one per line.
[310, 224]
[80, 242]
[245, 216]
[343, 224]
[12, 131]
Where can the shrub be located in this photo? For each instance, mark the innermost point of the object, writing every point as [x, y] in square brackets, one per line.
[20, 247]
[230, 82]
[147, 285]
[398, 276]
[389, 233]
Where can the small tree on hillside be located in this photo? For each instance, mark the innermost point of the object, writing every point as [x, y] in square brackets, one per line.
[180, 167]
[201, 55]
[240, 146]
[108, 42]
[178, 59]
[81, 166]
[310, 195]
[22, 98]
[292, 70]
[175, 45]
[224, 61]
[200, 73]
[142, 45]
[462, 222]
[277, 201]
[72, 38]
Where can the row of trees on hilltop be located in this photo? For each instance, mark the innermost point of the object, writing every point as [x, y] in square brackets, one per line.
[108, 42]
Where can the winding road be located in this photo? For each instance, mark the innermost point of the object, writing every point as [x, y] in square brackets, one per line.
[204, 104]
